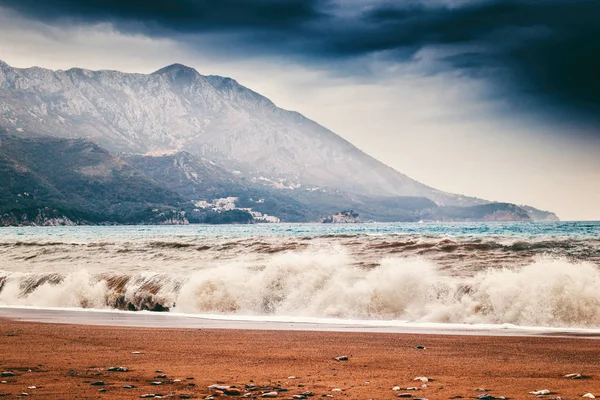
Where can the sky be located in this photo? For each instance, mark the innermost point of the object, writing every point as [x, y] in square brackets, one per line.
[498, 99]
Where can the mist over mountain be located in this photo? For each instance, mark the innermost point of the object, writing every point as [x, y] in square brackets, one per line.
[232, 140]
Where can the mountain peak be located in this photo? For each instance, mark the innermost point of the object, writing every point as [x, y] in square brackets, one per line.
[176, 69]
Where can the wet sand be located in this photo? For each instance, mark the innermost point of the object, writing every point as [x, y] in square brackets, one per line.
[63, 361]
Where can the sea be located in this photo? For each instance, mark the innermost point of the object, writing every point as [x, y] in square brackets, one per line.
[470, 274]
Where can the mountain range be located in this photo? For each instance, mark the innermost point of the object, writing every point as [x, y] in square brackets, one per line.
[183, 138]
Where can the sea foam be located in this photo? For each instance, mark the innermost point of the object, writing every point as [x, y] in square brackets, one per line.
[320, 283]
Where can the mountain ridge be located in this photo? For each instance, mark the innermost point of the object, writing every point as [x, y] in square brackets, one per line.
[178, 109]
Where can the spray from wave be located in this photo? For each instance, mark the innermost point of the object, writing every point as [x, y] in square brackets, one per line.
[546, 292]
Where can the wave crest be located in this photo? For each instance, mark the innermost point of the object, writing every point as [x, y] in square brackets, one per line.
[546, 292]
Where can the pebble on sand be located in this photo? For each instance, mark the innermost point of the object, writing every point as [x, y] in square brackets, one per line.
[7, 374]
[156, 383]
[420, 347]
[231, 391]
[573, 376]
[405, 395]
[270, 394]
[117, 369]
[341, 358]
[98, 383]
[589, 396]
[421, 379]
[338, 390]
[396, 388]
[541, 392]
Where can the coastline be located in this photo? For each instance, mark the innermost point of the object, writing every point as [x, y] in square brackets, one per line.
[65, 359]
[169, 320]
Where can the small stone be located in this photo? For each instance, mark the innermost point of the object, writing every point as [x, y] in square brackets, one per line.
[574, 376]
[155, 383]
[396, 388]
[24, 394]
[341, 358]
[128, 387]
[308, 394]
[421, 379]
[7, 374]
[3, 382]
[542, 392]
[98, 383]
[102, 390]
[589, 396]
[298, 396]
[117, 369]
[218, 387]
[270, 394]
[185, 396]
[31, 387]
[136, 352]
[148, 396]
[336, 390]
[480, 390]
[291, 377]
[420, 347]
[405, 395]
[232, 391]
[413, 388]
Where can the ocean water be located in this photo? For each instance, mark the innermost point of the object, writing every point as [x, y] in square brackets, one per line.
[524, 274]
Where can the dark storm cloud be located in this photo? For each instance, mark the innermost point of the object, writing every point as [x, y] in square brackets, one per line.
[547, 50]
[185, 16]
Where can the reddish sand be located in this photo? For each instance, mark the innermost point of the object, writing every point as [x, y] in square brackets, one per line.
[63, 360]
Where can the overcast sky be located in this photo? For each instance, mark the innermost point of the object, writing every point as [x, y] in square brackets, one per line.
[498, 99]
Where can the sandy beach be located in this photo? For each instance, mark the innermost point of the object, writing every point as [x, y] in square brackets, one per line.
[64, 361]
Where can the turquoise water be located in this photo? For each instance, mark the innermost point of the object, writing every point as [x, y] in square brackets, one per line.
[524, 230]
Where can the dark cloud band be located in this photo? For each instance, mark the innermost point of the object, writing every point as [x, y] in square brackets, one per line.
[546, 49]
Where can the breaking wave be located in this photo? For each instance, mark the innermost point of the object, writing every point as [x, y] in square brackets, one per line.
[545, 291]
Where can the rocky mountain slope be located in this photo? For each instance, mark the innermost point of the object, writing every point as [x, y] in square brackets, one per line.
[176, 108]
[181, 137]
[48, 180]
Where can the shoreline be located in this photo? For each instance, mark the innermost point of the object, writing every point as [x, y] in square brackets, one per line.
[167, 320]
[69, 361]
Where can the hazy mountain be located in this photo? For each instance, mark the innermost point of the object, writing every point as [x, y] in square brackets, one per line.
[49, 181]
[193, 137]
[176, 108]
